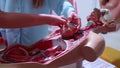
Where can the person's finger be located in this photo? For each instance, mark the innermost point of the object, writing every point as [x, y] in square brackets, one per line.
[112, 4]
[72, 15]
[75, 16]
[109, 4]
[115, 12]
[64, 23]
[103, 2]
[65, 19]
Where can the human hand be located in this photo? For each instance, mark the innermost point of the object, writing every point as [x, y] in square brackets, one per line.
[73, 25]
[57, 20]
[109, 27]
[74, 18]
[113, 6]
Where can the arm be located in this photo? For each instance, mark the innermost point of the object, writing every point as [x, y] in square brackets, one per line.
[17, 20]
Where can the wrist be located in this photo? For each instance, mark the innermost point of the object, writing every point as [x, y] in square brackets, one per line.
[44, 18]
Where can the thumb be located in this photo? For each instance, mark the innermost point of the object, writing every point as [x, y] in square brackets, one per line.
[109, 4]
[103, 3]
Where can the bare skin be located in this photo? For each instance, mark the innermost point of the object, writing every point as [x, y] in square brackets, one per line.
[17, 20]
[113, 5]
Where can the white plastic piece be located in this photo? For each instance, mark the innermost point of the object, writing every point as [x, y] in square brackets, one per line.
[108, 16]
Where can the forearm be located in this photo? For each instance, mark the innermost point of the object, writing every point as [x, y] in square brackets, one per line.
[17, 20]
